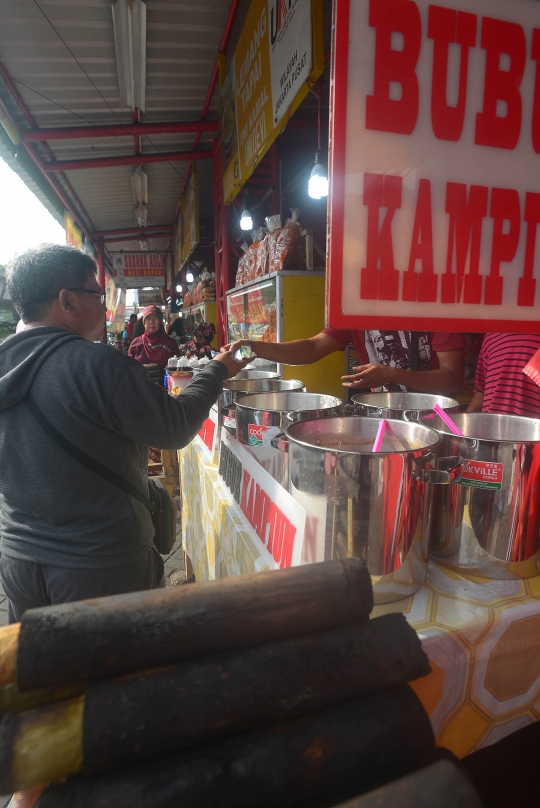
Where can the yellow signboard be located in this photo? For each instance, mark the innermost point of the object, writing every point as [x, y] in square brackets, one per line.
[189, 218]
[279, 52]
[73, 233]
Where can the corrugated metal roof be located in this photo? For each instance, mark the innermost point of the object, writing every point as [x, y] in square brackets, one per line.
[61, 57]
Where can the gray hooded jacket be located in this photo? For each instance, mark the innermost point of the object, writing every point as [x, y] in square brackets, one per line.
[53, 510]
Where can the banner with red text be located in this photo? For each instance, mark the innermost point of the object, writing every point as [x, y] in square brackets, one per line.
[435, 188]
[276, 520]
[136, 270]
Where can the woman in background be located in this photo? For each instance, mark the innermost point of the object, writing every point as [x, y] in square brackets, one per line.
[199, 347]
[154, 345]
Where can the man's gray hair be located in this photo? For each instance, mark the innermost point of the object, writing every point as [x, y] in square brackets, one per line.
[35, 278]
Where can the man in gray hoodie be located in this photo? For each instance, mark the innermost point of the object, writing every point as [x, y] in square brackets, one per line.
[66, 533]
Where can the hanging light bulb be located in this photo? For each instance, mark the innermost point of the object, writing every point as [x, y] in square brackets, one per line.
[318, 181]
[189, 277]
[179, 288]
[246, 222]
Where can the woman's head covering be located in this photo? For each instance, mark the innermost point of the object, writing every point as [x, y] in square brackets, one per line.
[152, 310]
[204, 333]
[199, 346]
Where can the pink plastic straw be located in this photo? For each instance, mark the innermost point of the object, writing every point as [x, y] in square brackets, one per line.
[380, 436]
[448, 421]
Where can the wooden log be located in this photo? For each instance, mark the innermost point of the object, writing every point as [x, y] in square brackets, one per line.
[314, 761]
[140, 716]
[115, 635]
[441, 785]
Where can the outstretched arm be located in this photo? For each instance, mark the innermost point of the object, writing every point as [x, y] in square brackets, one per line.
[297, 352]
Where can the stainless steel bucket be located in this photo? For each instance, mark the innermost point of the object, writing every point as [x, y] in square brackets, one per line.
[360, 503]
[262, 416]
[488, 521]
[404, 406]
[232, 388]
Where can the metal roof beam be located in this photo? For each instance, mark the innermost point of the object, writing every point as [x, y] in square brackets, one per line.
[136, 232]
[113, 239]
[128, 160]
[129, 130]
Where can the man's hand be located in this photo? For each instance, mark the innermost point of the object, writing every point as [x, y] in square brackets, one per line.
[226, 358]
[234, 346]
[372, 375]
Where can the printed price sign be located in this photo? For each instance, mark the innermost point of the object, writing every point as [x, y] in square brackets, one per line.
[435, 192]
[478, 474]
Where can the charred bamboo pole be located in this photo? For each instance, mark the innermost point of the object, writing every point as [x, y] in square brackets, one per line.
[136, 717]
[111, 636]
[12, 699]
[317, 760]
[440, 785]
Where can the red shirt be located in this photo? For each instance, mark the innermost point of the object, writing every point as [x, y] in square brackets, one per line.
[500, 377]
[439, 341]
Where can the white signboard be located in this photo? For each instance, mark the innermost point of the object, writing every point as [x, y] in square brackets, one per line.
[276, 520]
[290, 51]
[134, 270]
[435, 182]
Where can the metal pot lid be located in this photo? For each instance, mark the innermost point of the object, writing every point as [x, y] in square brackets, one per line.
[262, 385]
[354, 435]
[490, 427]
[287, 402]
[404, 401]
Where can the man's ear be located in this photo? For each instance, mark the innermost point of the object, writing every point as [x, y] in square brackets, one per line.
[64, 301]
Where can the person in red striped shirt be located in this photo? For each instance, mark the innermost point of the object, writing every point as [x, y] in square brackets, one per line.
[500, 385]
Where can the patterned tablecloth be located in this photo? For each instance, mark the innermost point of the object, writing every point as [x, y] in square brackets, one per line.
[482, 637]
[215, 534]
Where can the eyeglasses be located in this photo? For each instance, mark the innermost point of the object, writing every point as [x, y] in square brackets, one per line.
[100, 295]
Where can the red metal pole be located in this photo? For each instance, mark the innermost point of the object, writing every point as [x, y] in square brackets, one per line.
[215, 73]
[129, 130]
[128, 160]
[101, 262]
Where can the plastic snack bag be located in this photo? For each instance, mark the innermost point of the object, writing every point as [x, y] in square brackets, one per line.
[286, 242]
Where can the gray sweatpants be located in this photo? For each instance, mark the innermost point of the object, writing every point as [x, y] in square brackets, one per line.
[29, 585]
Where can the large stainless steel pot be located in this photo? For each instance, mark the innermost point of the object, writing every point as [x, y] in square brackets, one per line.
[361, 503]
[488, 521]
[232, 388]
[404, 406]
[256, 374]
[262, 416]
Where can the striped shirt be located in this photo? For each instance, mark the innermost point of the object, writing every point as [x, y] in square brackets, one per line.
[500, 377]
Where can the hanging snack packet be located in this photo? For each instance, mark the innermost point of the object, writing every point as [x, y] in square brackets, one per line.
[242, 265]
[261, 253]
[286, 242]
[273, 225]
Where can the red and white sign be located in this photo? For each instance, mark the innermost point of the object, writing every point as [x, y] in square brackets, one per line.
[139, 269]
[208, 434]
[277, 522]
[435, 165]
[479, 474]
